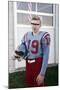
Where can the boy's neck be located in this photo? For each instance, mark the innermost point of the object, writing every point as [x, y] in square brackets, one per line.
[35, 33]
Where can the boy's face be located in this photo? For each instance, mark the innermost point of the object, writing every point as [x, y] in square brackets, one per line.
[35, 25]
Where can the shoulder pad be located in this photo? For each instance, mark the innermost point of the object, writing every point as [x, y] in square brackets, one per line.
[46, 38]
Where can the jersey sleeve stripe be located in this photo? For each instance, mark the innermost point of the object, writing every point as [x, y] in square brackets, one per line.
[45, 34]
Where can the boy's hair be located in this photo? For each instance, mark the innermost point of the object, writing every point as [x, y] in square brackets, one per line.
[36, 18]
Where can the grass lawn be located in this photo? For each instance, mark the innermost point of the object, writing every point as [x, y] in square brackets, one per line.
[16, 80]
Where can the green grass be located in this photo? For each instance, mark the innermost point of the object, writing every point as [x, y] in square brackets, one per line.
[52, 76]
[16, 80]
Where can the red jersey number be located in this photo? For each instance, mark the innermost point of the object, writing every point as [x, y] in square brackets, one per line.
[35, 46]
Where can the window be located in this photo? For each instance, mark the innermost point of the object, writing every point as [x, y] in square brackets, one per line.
[24, 6]
[23, 19]
[43, 7]
[44, 10]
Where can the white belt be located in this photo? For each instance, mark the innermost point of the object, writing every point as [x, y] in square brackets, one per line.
[31, 61]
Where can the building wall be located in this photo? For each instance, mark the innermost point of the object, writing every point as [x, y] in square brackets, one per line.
[13, 65]
[57, 33]
[11, 36]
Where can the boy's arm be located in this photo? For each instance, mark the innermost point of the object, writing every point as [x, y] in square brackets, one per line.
[21, 50]
[45, 48]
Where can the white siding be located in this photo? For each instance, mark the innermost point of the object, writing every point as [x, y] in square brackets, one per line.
[57, 33]
[53, 56]
[11, 36]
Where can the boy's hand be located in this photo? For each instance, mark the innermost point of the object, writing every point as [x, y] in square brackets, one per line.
[40, 79]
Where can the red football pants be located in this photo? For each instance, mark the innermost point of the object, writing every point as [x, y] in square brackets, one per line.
[32, 70]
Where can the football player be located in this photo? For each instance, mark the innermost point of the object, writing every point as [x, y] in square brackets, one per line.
[34, 49]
